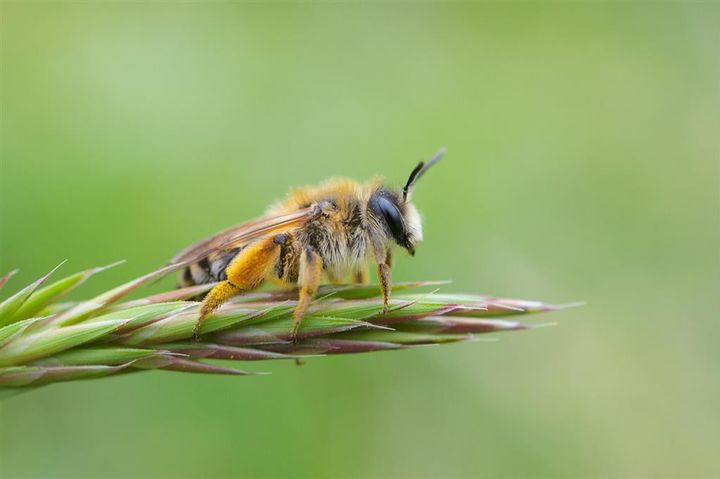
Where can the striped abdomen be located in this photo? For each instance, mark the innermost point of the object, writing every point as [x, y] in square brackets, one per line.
[208, 270]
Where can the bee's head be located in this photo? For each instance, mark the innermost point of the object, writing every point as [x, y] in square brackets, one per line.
[395, 213]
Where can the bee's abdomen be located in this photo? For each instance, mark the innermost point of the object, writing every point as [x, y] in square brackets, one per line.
[211, 269]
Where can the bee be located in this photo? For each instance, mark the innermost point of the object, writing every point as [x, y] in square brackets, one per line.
[336, 228]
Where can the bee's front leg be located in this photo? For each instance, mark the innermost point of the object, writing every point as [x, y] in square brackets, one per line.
[383, 258]
[311, 266]
[383, 272]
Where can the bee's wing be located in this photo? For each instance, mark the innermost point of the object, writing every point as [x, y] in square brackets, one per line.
[242, 234]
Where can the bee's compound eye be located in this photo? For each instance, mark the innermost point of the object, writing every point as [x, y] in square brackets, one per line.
[392, 216]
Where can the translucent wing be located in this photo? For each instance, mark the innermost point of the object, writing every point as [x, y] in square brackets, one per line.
[240, 235]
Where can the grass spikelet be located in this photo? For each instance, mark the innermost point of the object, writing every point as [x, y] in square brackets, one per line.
[44, 340]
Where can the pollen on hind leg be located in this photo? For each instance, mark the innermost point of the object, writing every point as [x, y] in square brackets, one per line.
[217, 296]
[214, 299]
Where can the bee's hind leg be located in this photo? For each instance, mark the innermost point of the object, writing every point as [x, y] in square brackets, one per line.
[214, 299]
[247, 271]
[311, 266]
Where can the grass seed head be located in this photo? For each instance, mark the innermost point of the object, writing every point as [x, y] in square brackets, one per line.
[44, 340]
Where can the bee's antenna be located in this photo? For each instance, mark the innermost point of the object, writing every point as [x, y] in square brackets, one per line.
[420, 170]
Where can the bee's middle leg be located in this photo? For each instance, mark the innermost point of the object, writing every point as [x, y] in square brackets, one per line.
[333, 277]
[311, 266]
[247, 271]
[360, 274]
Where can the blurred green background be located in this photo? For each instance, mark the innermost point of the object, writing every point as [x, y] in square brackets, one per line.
[583, 165]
